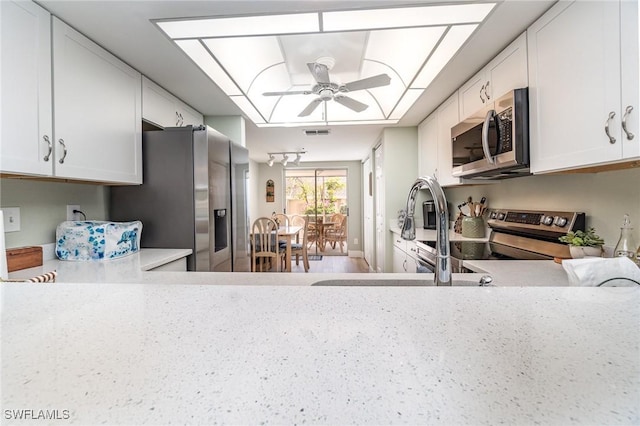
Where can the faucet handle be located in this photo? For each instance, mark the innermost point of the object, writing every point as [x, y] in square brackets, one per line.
[486, 280]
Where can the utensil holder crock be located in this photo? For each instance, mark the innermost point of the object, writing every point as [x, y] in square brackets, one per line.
[473, 227]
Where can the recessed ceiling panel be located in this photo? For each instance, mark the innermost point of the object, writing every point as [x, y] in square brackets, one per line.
[367, 65]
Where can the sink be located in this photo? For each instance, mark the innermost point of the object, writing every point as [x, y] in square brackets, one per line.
[393, 283]
[97, 240]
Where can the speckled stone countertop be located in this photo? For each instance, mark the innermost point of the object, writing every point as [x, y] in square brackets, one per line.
[124, 269]
[202, 354]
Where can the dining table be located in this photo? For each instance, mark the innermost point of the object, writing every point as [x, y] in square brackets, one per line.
[288, 233]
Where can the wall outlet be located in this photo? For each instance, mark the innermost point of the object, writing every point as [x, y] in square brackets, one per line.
[70, 214]
[11, 219]
[355, 241]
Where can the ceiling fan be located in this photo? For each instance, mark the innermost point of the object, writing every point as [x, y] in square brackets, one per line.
[326, 90]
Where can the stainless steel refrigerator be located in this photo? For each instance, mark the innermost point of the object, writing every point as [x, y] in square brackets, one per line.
[194, 195]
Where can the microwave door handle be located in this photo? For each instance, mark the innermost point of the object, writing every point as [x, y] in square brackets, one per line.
[485, 137]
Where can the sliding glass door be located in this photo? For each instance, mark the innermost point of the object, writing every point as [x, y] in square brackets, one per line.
[322, 195]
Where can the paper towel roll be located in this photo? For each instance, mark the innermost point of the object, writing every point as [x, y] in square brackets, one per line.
[3, 252]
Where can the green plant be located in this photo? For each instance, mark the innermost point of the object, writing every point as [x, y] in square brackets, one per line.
[581, 238]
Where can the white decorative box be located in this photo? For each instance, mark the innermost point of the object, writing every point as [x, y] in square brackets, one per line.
[97, 240]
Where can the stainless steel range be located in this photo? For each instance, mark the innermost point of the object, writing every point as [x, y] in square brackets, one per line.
[515, 235]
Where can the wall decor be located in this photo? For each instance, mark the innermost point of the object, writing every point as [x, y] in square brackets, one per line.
[270, 191]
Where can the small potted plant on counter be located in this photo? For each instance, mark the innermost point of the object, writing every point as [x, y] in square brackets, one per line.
[583, 244]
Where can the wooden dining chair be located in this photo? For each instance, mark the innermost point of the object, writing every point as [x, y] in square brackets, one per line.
[312, 232]
[337, 234]
[264, 244]
[300, 248]
[282, 219]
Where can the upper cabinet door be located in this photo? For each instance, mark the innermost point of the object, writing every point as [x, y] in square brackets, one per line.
[473, 94]
[630, 51]
[505, 72]
[165, 110]
[428, 146]
[447, 118]
[26, 121]
[98, 111]
[158, 105]
[508, 71]
[574, 90]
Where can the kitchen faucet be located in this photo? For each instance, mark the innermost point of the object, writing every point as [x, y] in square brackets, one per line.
[443, 261]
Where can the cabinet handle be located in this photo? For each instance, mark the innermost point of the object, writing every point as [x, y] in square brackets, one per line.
[64, 151]
[486, 95]
[404, 265]
[48, 141]
[627, 111]
[612, 140]
[481, 90]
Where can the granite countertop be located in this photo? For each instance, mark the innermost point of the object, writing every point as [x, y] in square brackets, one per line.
[125, 269]
[203, 354]
[524, 272]
[431, 235]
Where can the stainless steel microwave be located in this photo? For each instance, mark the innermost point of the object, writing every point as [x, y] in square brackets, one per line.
[493, 143]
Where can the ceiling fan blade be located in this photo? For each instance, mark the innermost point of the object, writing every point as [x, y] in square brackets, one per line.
[310, 108]
[368, 83]
[351, 103]
[320, 72]
[294, 92]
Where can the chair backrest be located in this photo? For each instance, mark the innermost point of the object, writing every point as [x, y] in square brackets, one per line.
[342, 228]
[282, 219]
[297, 220]
[264, 236]
[337, 217]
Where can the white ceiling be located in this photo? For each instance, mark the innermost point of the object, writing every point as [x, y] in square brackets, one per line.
[124, 27]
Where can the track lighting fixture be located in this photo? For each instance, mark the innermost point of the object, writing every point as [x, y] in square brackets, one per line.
[285, 157]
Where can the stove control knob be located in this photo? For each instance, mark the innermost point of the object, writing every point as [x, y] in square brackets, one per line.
[493, 215]
[560, 221]
[500, 216]
[547, 220]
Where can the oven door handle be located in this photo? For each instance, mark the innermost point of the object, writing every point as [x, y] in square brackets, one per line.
[485, 136]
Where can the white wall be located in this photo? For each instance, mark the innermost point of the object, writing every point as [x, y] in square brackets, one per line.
[43, 205]
[604, 197]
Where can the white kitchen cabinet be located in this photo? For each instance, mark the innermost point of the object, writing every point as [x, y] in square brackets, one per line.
[399, 260]
[428, 146]
[434, 143]
[404, 255]
[507, 71]
[165, 110]
[583, 68]
[98, 111]
[447, 118]
[26, 117]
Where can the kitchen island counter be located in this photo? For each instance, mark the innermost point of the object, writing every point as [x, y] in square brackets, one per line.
[194, 354]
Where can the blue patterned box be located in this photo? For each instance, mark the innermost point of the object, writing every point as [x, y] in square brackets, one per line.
[97, 240]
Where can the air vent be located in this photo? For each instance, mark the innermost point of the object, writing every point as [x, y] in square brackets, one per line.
[323, 132]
